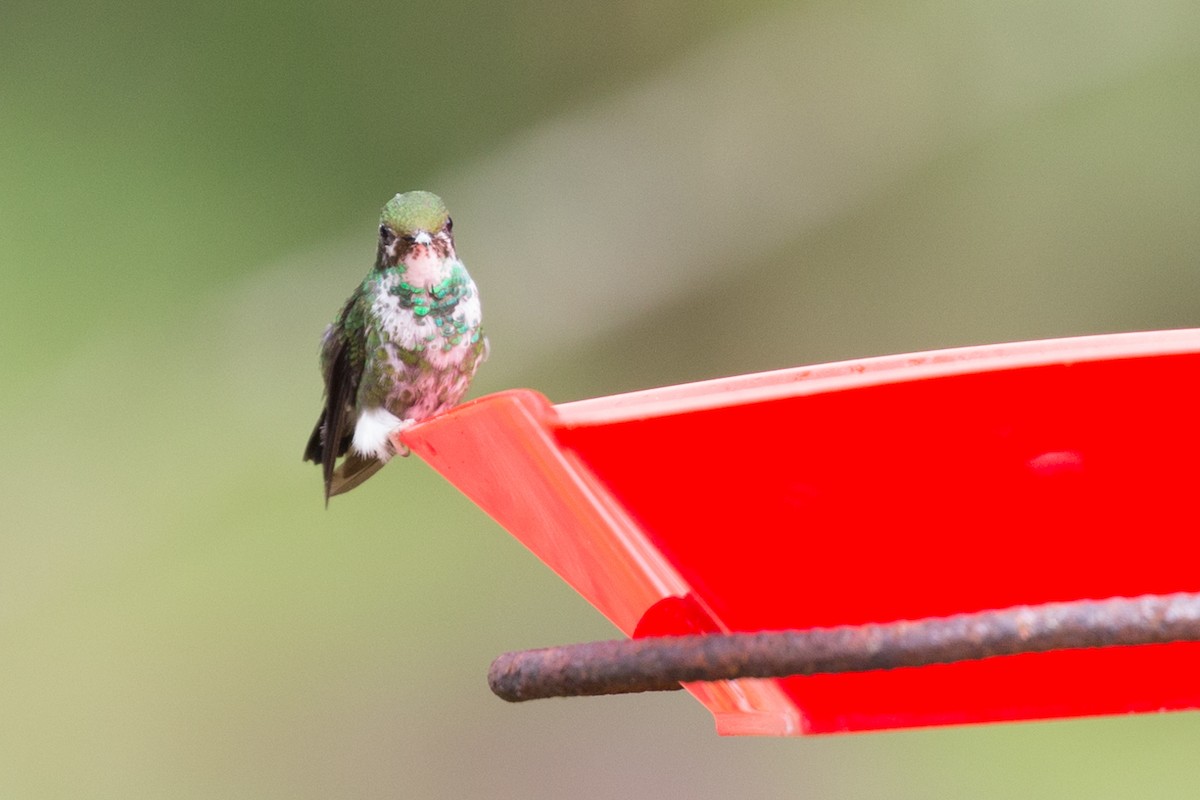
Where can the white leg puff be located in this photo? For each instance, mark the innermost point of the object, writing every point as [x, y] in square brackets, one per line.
[372, 432]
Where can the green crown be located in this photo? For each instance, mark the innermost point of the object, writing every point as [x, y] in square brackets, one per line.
[415, 211]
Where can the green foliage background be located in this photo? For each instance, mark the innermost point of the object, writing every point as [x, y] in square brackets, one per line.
[646, 193]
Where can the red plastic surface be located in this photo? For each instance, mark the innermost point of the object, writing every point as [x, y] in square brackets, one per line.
[869, 491]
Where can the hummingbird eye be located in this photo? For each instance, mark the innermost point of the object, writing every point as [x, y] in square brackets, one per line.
[385, 234]
[449, 224]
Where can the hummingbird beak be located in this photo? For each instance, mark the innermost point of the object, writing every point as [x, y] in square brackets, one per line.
[423, 238]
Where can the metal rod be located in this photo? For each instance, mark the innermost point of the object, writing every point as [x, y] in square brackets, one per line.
[661, 664]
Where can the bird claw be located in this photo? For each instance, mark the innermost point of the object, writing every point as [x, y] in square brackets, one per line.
[400, 447]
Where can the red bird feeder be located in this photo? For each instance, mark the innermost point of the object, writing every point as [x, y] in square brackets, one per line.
[893, 488]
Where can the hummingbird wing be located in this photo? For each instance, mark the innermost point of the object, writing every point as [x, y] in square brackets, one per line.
[335, 429]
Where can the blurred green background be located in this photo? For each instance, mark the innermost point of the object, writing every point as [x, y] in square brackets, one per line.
[646, 193]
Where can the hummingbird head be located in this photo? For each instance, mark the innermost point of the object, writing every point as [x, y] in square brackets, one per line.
[414, 224]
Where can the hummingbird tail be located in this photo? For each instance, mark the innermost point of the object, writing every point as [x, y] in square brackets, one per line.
[353, 470]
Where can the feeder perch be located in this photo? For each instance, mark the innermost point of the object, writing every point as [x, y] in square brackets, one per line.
[864, 492]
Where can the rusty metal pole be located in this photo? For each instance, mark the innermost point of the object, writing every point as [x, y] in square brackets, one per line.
[661, 664]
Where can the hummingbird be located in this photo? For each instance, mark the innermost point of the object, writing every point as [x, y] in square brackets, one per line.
[404, 346]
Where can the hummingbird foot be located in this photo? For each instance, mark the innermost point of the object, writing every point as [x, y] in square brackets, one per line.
[394, 437]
